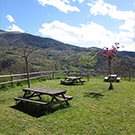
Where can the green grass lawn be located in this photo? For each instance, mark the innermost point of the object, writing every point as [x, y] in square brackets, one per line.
[93, 110]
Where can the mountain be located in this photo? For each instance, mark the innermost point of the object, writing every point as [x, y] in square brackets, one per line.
[126, 53]
[49, 54]
[15, 38]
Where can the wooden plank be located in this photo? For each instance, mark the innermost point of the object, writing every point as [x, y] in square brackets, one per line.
[41, 102]
[72, 77]
[68, 97]
[118, 79]
[31, 73]
[106, 78]
[112, 75]
[51, 92]
[12, 75]
[82, 81]
[25, 79]
[31, 100]
[59, 101]
[65, 81]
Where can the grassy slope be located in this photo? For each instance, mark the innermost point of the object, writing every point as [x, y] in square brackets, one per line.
[93, 110]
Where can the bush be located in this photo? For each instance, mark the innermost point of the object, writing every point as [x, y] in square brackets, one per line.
[19, 84]
[40, 79]
[43, 79]
[49, 78]
[4, 87]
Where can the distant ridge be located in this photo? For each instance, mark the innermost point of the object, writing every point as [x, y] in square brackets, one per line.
[15, 38]
[126, 53]
[1, 31]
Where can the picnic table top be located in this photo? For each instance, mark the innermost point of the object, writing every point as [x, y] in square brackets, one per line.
[113, 75]
[72, 77]
[45, 91]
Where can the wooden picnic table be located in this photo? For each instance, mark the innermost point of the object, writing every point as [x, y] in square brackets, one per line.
[57, 96]
[72, 80]
[113, 78]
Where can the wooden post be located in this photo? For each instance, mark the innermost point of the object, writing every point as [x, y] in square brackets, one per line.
[68, 73]
[53, 75]
[11, 80]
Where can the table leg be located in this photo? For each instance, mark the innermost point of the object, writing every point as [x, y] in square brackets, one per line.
[53, 97]
[25, 93]
[64, 98]
[32, 95]
[73, 81]
[80, 81]
[39, 96]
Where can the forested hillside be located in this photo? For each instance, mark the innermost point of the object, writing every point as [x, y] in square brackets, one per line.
[49, 54]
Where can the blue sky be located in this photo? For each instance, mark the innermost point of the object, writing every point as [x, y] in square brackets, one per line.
[84, 23]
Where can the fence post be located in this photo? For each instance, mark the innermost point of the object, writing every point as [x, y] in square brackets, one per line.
[11, 80]
[52, 74]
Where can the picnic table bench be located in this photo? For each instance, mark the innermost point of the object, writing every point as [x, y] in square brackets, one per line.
[72, 80]
[57, 96]
[113, 78]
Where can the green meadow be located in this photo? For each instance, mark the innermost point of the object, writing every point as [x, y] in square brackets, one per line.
[94, 110]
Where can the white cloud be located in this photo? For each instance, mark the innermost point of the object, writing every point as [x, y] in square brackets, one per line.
[90, 32]
[128, 25]
[10, 18]
[80, 1]
[62, 5]
[67, 33]
[101, 8]
[130, 47]
[14, 28]
[66, 1]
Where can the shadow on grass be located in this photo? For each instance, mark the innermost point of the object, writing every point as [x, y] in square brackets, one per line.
[36, 110]
[98, 96]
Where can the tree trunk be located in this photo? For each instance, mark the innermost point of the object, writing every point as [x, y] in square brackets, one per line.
[27, 69]
[87, 74]
[110, 79]
[129, 74]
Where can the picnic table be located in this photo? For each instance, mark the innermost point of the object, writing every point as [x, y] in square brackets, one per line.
[57, 96]
[113, 77]
[72, 80]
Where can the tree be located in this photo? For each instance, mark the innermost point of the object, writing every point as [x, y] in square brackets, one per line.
[26, 56]
[110, 55]
[88, 61]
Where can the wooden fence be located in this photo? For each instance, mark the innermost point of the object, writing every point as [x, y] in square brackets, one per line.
[33, 75]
